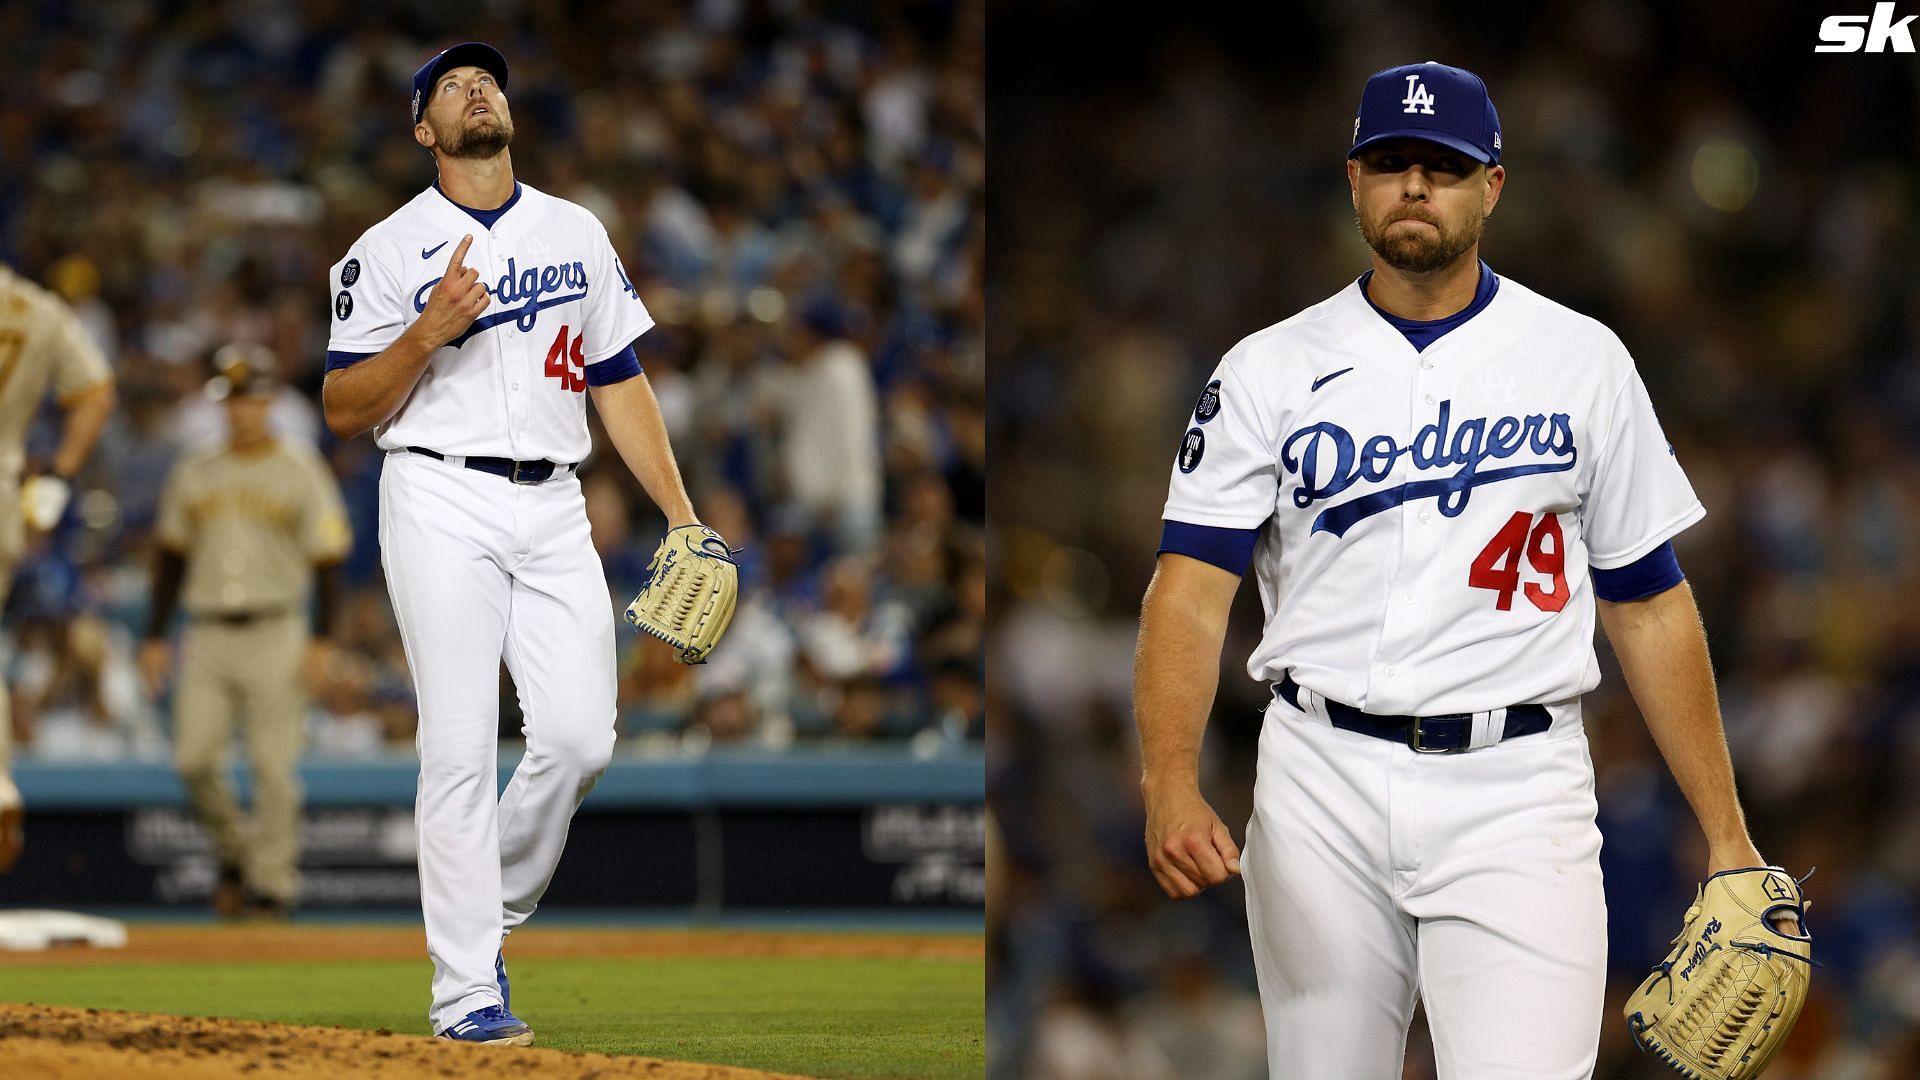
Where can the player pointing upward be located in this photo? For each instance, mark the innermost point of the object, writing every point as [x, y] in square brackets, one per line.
[1437, 475]
[469, 329]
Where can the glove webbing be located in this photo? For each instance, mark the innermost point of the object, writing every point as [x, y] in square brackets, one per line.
[693, 585]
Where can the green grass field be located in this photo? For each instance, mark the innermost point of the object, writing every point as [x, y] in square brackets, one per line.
[851, 1018]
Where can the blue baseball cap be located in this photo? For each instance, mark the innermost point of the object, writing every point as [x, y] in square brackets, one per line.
[1431, 101]
[467, 54]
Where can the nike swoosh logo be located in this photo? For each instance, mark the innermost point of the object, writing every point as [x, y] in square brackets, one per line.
[1325, 379]
[428, 253]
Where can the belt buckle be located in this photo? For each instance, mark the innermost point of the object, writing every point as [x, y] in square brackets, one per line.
[1419, 747]
[515, 477]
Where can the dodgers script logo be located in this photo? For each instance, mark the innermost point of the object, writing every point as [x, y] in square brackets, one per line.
[1309, 452]
[529, 288]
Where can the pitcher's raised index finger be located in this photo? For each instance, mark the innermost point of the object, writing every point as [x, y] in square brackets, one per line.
[459, 252]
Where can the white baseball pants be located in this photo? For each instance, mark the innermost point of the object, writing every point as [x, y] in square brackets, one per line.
[480, 568]
[1472, 880]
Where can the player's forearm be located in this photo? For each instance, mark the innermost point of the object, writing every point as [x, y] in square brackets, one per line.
[169, 569]
[1176, 672]
[632, 417]
[85, 418]
[326, 599]
[1663, 654]
[362, 396]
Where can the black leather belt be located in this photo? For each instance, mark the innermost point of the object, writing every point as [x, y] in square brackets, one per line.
[1426, 734]
[241, 618]
[520, 472]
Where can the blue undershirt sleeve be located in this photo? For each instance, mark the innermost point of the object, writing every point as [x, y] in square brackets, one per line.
[1229, 549]
[337, 360]
[619, 367]
[1655, 572]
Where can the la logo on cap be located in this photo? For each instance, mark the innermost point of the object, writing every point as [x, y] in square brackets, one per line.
[1419, 99]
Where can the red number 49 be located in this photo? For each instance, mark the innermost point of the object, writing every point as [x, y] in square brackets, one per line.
[566, 364]
[1497, 567]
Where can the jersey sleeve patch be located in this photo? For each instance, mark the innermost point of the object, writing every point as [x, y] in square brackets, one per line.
[368, 308]
[1193, 447]
[1229, 549]
[1653, 573]
[619, 367]
[1208, 406]
[338, 360]
[1225, 471]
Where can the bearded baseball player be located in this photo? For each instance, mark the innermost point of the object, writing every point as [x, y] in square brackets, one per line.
[1437, 476]
[469, 329]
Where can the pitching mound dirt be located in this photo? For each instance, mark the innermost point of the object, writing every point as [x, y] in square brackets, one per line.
[53, 1043]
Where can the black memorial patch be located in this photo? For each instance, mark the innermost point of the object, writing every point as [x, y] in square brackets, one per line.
[1192, 448]
[1208, 406]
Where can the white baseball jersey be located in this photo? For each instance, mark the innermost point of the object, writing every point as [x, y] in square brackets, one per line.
[513, 385]
[1429, 517]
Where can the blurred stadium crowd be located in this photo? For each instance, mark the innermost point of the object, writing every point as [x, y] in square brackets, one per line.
[798, 187]
[1738, 210]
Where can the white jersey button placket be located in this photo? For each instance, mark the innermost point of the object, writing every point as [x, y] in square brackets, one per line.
[505, 349]
[1424, 544]
[1432, 398]
[1396, 630]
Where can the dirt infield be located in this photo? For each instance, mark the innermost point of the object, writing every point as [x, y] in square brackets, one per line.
[283, 943]
[85, 1044]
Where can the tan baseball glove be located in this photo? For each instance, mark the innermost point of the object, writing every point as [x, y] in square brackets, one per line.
[1722, 1002]
[688, 596]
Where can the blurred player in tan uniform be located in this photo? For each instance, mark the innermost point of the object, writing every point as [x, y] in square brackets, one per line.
[41, 345]
[245, 529]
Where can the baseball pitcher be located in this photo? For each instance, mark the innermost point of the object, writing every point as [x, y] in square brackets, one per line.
[1438, 476]
[470, 328]
[42, 347]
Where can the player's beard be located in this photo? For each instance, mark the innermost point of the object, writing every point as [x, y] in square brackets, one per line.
[473, 139]
[1420, 251]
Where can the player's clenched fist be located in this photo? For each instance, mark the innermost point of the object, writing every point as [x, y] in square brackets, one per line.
[1188, 847]
[455, 302]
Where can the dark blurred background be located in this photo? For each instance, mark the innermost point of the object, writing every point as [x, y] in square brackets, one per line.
[797, 186]
[1739, 209]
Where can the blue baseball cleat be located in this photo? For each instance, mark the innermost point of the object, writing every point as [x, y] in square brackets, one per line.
[491, 1026]
[500, 974]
